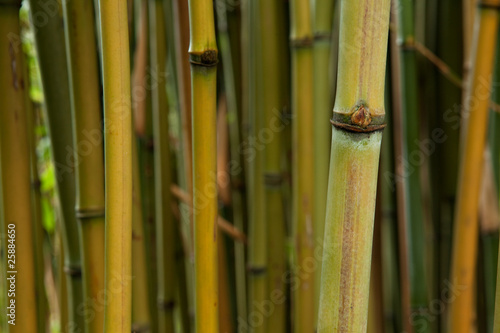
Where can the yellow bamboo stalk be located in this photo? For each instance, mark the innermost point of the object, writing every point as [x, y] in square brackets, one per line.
[203, 59]
[16, 215]
[303, 166]
[118, 165]
[358, 116]
[87, 139]
[463, 267]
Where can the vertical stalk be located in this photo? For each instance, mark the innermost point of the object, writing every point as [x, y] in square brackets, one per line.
[51, 52]
[358, 116]
[89, 164]
[411, 180]
[141, 312]
[463, 264]
[322, 26]
[163, 174]
[272, 30]
[203, 59]
[16, 214]
[118, 162]
[233, 119]
[257, 230]
[301, 38]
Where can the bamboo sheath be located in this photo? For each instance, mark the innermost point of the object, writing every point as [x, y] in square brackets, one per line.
[118, 165]
[89, 168]
[356, 137]
[203, 59]
[165, 227]
[465, 233]
[15, 177]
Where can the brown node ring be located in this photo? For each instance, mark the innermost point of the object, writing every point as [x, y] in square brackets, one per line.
[359, 121]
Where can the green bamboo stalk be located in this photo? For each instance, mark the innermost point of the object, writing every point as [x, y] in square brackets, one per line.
[87, 136]
[301, 38]
[358, 115]
[51, 52]
[16, 217]
[322, 26]
[233, 119]
[411, 179]
[141, 312]
[203, 59]
[473, 140]
[118, 162]
[271, 32]
[163, 174]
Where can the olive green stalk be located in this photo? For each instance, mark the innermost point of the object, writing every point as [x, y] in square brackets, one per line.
[16, 216]
[322, 27]
[271, 32]
[141, 312]
[358, 116]
[163, 174]
[473, 140]
[118, 165]
[257, 229]
[51, 52]
[87, 136]
[413, 192]
[203, 59]
[303, 163]
[233, 120]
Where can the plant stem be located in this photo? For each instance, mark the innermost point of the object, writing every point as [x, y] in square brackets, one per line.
[358, 115]
[411, 180]
[163, 174]
[463, 267]
[301, 38]
[89, 164]
[203, 59]
[118, 162]
[323, 23]
[16, 216]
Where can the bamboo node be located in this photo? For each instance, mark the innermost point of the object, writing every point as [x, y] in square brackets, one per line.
[361, 117]
[303, 42]
[322, 36]
[73, 270]
[89, 213]
[273, 179]
[166, 305]
[207, 58]
[256, 270]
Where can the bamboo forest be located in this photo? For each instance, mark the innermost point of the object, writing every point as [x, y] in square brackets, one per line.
[249, 166]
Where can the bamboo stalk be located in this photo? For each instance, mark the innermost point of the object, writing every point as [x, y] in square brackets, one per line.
[271, 32]
[233, 120]
[461, 315]
[301, 38]
[203, 59]
[118, 162]
[50, 45]
[411, 181]
[322, 26]
[163, 175]
[89, 164]
[358, 115]
[16, 217]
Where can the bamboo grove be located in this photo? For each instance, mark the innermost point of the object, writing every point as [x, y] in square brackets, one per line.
[263, 166]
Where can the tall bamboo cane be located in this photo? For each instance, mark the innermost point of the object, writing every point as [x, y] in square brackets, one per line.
[16, 214]
[303, 178]
[357, 117]
[89, 169]
[203, 59]
[322, 26]
[463, 268]
[271, 32]
[163, 174]
[50, 44]
[118, 162]
[411, 180]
